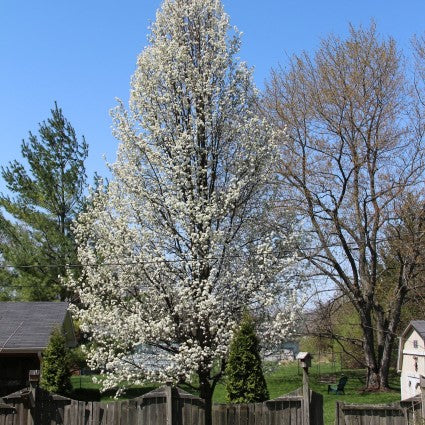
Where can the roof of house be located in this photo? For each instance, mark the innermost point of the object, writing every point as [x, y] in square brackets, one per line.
[419, 326]
[27, 326]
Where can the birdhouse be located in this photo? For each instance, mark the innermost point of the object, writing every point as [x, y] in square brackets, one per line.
[34, 377]
[304, 359]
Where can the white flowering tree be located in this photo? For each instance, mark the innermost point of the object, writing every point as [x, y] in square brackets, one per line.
[180, 242]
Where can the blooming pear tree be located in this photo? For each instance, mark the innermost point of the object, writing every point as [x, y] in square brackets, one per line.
[180, 242]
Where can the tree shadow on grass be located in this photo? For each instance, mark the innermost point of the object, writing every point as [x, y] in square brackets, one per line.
[91, 394]
[85, 394]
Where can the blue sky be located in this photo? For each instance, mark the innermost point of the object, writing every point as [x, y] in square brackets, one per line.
[83, 53]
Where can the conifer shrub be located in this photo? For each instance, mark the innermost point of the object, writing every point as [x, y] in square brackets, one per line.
[245, 381]
[55, 367]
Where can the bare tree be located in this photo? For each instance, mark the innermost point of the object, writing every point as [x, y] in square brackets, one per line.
[333, 325]
[350, 157]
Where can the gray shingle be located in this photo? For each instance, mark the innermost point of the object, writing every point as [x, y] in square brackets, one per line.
[419, 326]
[25, 325]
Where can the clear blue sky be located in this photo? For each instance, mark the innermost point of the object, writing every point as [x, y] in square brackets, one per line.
[82, 54]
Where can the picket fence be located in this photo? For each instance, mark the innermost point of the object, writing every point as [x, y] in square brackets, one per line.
[164, 406]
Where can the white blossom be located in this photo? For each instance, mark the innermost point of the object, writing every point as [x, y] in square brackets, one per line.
[178, 244]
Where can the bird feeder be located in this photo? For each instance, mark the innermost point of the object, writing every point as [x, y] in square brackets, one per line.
[305, 359]
[34, 378]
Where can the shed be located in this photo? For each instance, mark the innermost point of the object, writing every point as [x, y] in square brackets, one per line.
[25, 330]
[411, 358]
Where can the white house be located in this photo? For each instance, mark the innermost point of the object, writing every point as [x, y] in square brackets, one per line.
[411, 358]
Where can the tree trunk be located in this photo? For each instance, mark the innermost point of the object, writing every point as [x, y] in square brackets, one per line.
[373, 380]
[377, 358]
[206, 392]
[379, 330]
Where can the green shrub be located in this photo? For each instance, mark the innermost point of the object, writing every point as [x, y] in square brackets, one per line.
[55, 369]
[77, 359]
[245, 380]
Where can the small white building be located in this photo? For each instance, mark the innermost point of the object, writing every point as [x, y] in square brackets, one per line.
[411, 358]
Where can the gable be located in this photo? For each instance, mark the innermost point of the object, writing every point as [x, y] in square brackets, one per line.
[419, 326]
[412, 341]
[27, 326]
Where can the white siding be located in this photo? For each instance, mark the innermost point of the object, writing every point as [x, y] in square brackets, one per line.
[413, 354]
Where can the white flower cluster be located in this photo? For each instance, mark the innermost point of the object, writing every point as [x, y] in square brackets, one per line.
[177, 245]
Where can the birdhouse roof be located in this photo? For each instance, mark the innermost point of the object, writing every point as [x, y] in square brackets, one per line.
[302, 355]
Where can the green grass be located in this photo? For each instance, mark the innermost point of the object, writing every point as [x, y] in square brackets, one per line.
[280, 380]
[288, 378]
[85, 389]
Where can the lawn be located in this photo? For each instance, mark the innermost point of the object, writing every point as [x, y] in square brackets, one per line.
[280, 380]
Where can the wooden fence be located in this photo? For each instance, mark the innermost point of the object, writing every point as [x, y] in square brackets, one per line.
[164, 406]
[403, 413]
[285, 410]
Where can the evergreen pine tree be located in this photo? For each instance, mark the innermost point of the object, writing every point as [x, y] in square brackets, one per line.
[245, 379]
[55, 371]
[44, 198]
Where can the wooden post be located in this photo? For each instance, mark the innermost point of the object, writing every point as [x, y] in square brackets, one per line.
[422, 385]
[169, 397]
[305, 361]
[337, 413]
[306, 396]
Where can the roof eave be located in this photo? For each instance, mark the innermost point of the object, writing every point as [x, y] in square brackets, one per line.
[26, 350]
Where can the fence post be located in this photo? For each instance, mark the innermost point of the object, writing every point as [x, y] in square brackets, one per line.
[305, 360]
[34, 380]
[169, 398]
[337, 413]
[306, 397]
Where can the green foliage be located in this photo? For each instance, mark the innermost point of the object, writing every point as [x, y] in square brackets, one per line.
[346, 324]
[77, 358]
[47, 194]
[55, 370]
[316, 345]
[6, 292]
[245, 379]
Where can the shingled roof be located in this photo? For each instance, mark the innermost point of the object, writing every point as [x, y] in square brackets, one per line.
[419, 326]
[27, 326]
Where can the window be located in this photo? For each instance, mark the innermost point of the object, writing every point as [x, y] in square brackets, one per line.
[415, 343]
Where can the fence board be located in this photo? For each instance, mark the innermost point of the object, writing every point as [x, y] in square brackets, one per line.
[196, 412]
[251, 414]
[272, 412]
[231, 415]
[89, 413]
[21, 414]
[142, 415]
[100, 413]
[111, 414]
[219, 414]
[152, 411]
